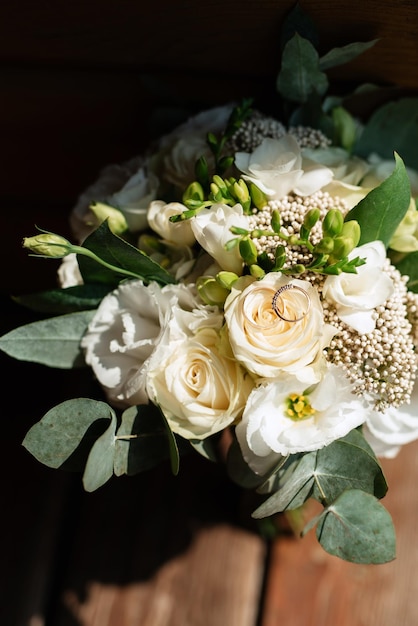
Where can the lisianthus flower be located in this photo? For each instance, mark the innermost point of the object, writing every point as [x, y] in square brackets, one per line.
[388, 431]
[357, 295]
[276, 167]
[128, 325]
[211, 227]
[159, 214]
[134, 198]
[282, 417]
[269, 346]
[198, 386]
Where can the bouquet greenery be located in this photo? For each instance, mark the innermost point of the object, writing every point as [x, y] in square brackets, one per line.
[253, 278]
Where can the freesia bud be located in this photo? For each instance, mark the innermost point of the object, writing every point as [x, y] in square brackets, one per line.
[48, 244]
[116, 220]
[352, 229]
[342, 248]
[257, 271]
[333, 223]
[325, 246]
[276, 222]
[311, 218]
[345, 128]
[248, 251]
[211, 291]
[259, 199]
[194, 192]
[226, 279]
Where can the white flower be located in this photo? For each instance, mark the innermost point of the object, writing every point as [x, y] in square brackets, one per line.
[211, 227]
[159, 214]
[387, 432]
[282, 418]
[405, 238]
[276, 167]
[357, 295]
[127, 327]
[68, 272]
[380, 169]
[134, 198]
[269, 346]
[346, 168]
[199, 387]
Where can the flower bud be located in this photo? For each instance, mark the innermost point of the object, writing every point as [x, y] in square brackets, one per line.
[352, 229]
[333, 223]
[259, 199]
[257, 271]
[276, 222]
[344, 128]
[311, 218]
[248, 251]
[115, 218]
[211, 291]
[48, 244]
[194, 192]
[325, 246]
[342, 248]
[226, 279]
[241, 193]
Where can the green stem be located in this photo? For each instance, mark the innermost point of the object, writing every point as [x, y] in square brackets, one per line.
[114, 268]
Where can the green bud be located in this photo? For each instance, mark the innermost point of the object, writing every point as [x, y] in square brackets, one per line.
[211, 291]
[352, 229]
[333, 223]
[248, 251]
[220, 183]
[342, 247]
[225, 163]
[257, 271]
[294, 240]
[216, 193]
[115, 218]
[344, 128]
[325, 246]
[311, 218]
[298, 268]
[276, 222]
[194, 192]
[226, 279]
[240, 191]
[258, 198]
[202, 172]
[48, 244]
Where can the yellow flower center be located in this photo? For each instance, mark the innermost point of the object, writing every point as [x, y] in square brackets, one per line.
[298, 407]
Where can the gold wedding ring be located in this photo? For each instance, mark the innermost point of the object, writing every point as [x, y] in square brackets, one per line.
[278, 297]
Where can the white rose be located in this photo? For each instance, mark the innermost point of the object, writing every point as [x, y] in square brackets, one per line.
[387, 432]
[267, 345]
[356, 296]
[282, 418]
[276, 168]
[127, 327]
[200, 388]
[159, 214]
[211, 227]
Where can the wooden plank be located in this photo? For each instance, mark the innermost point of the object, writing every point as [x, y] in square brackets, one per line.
[307, 587]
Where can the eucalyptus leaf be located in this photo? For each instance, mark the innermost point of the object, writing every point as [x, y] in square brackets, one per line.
[394, 126]
[298, 21]
[54, 342]
[119, 253]
[381, 211]
[205, 447]
[238, 470]
[408, 266]
[61, 301]
[357, 528]
[55, 438]
[99, 467]
[344, 54]
[141, 440]
[300, 75]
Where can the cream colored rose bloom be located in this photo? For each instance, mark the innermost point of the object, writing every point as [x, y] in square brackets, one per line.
[159, 214]
[267, 345]
[200, 388]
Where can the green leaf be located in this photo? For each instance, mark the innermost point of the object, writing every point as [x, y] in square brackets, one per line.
[408, 266]
[300, 75]
[238, 470]
[119, 253]
[56, 437]
[381, 211]
[142, 440]
[357, 528]
[298, 21]
[393, 127]
[54, 342]
[205, 447]
[344, 54]
[69, 300]
[99, 466]
[347, 463]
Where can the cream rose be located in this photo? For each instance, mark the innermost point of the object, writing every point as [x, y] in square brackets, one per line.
[199, 387]
[269, 346]
[129, 323]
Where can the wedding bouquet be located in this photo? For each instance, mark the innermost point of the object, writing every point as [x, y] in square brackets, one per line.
[252, 278]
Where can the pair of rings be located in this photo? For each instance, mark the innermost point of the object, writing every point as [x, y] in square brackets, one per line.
[278, 304]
